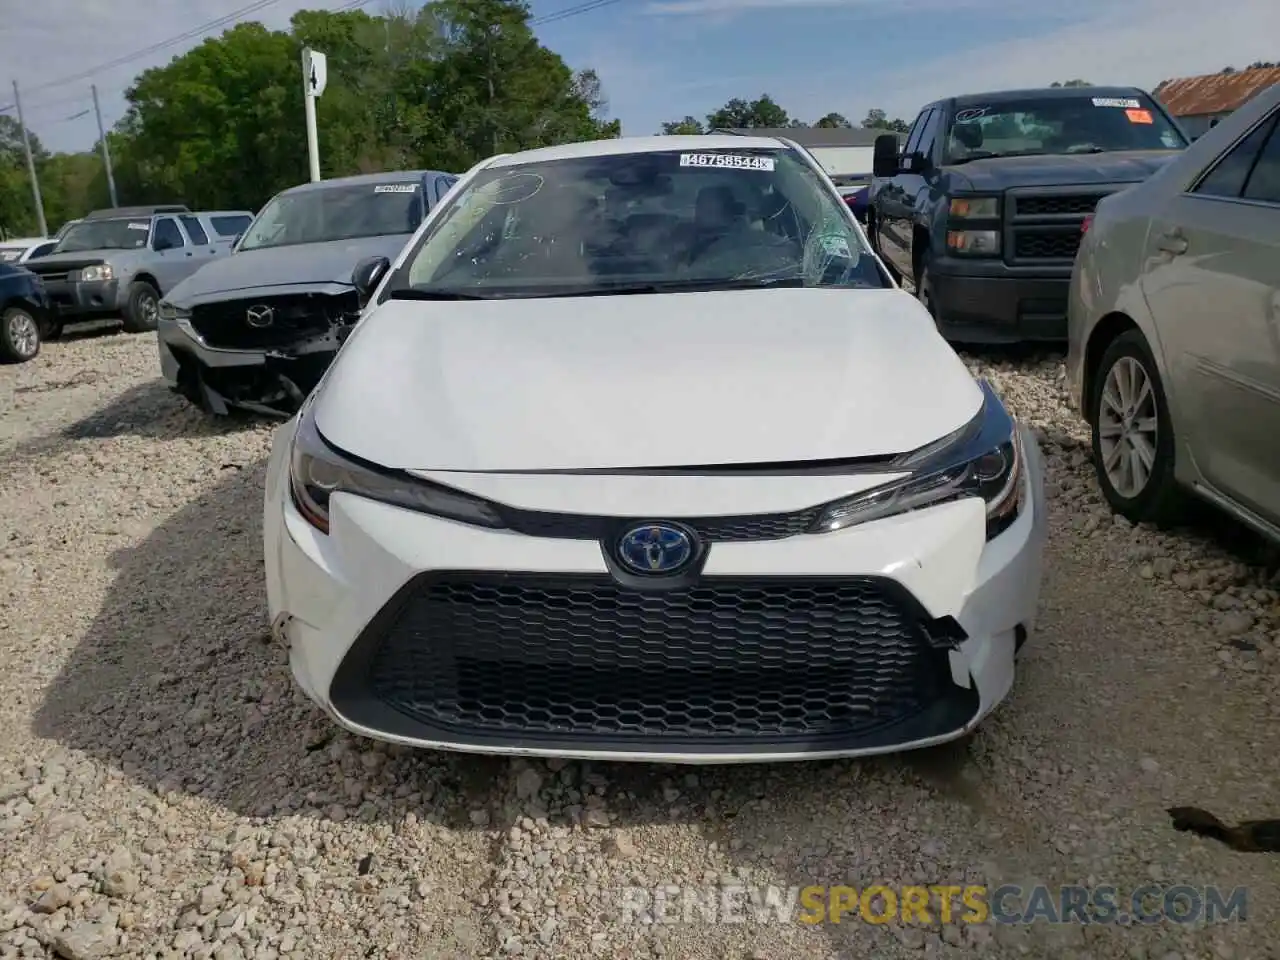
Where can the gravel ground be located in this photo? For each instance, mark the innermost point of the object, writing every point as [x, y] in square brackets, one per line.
[164, 792]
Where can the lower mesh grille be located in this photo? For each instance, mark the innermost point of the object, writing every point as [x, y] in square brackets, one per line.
[728, 659]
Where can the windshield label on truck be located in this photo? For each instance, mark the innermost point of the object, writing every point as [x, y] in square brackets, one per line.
[395, 188]
[973, 113]
[730, 160]
[139, 226]
[1121, 102]
[1139, 116]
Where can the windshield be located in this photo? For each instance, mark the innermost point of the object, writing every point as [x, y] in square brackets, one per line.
[321, 214]
[230, 226]
[641, 222]
[1056, 125]
[105, 235]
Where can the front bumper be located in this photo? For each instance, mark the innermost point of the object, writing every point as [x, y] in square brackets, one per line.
[84, 299]
[218, 379]
[333, 600]
[989, 302]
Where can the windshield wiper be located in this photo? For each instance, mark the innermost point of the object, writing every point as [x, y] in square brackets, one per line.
[426, 293]
[683, 286]
[993, 155]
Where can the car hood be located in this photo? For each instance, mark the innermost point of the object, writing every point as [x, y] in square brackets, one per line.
[1000, 173]
[83, 257]
[304, 263]
[688, 379]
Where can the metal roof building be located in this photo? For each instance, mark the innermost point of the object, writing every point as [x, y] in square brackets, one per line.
[1198, 102]
[841, 150]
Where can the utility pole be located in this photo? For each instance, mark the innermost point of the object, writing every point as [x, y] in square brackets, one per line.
[493, 120]
[106, 152]
[315, 75]
[31, 164]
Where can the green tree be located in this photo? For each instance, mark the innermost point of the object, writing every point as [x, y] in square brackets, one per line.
[739, 114]
[17, 208]
[442, 86]
[689, 126]
[877, 119]
[833, 121]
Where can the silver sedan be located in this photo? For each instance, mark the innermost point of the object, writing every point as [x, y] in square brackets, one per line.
[1174, 328]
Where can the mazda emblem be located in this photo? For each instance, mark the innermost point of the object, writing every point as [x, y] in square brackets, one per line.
[259, 315]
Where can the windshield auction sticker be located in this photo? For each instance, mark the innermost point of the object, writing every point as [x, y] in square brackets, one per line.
[395, 188]
[731, 161]
[139, 226]
[1139, 116]
[1124, 103]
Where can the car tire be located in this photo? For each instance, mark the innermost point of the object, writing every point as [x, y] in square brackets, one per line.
[142, 312]
[19, 335]
[1142, 489]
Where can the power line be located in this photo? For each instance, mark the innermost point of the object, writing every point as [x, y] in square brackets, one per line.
[555, 17]
[574, 11]
[156, 47]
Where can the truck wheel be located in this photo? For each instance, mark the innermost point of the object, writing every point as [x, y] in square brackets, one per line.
[1133, 442]
[142, 312]
[19, 336]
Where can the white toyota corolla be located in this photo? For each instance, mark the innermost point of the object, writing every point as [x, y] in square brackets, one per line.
[638, 453]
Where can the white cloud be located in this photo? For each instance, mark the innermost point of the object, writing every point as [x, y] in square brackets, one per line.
[721, 8]
[1137, 43]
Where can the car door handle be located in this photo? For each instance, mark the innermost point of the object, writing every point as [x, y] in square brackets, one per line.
[188, 253]
[1172, 241]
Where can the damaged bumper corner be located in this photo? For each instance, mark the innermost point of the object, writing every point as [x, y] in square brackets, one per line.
[273, 381]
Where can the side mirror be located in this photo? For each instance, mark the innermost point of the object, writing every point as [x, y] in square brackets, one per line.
[368, 274]
[885, 161]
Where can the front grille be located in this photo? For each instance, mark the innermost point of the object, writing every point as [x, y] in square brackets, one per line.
[1047, 245]
[295, 317]
[1080, 204]
[729, 659]
[55, 272]
[573, 526]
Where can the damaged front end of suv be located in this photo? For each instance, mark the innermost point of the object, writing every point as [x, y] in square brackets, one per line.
[255, 331]
[261, 353]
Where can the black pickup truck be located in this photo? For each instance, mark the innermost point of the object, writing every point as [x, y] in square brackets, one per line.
[983, 206]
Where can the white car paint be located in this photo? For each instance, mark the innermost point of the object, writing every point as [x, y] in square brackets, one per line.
[514, 400]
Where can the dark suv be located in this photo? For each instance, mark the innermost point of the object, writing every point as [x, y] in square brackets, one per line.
[982, 208]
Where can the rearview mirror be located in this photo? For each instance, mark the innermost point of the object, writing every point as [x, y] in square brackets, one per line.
[368, 274]
[884, 156]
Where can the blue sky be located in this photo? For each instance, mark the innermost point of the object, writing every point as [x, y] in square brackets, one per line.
[662, 59]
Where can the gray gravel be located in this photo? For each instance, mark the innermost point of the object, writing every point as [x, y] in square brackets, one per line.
[164, 792]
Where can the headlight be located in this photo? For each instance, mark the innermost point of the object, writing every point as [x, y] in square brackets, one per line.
[974, 243]
[983, 459]
[169, 312]
[975, 208]
[317, 470]
[99, 271]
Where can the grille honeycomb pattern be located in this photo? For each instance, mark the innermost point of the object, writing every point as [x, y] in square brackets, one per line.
[296, 316]
[1058, 245]
[1080, 204]
[773, 526]
[726, 659]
